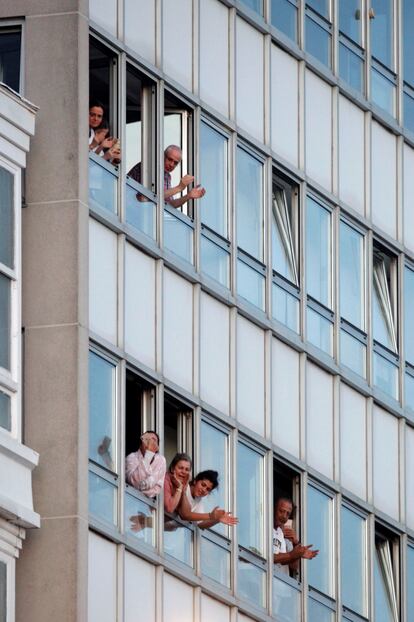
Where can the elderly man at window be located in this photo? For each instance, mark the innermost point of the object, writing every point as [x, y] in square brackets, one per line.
[287, 550]
[145, 468]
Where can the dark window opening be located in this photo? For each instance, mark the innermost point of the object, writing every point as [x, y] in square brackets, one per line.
[139, 411]
[178, 434]
[10, 56]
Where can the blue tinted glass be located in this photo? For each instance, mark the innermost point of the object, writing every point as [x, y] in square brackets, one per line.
[353, 565]
[102, 499]
[284, 17]
[102, 187]
[5, 321]
[250, 284]
[255, 5]
[215, 562]
[385, 375]
[409, 393]
[178, 236]
[318, 612]
[286, 601]
[410, 582]
[350, 19]
[408, 42]
[6, 217]
[215, 261]
[285, 308]
[321, 6]
[101, 411]
[351, 281]
[249, 204]
[319, 331]
[213, 171]
[319, 530]
[318, 42]
[251, 583]
[408, 314]
[178, 541]
[139, 520]
[409, 112]
[250, 508]
[5, 412]
[353, 353]
[140, 212]
[351, 68]
[381, 31]
[318, 252]
[382, 91]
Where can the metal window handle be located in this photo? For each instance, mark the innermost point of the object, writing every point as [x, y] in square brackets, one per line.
[371, 13]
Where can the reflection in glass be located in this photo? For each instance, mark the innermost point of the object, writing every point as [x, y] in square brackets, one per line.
[139, 520]
[215, 261]
[178, 236]
[351, 68]
[102, 187]
[353, 353]
[285, 308]
[410, 577]
[6, 216]
[351, 282]
[408, 41]
[319, 533]
[319, 330]
[408, 314]
[213, 172]
[318, 41]
[251, 583]
[215, 562]
[178, 541]
[381, 31]
[5, 321]
[350, 19]
[102, 499]
[255, 5]
[318, 252]
[409, 391]
[382, 91]
[385, 596]
[214, 455]
[385, 375]
[318, 612]
[409, 112]
[101, 411]
[5, 411]
[249, 204]
[353, 564]
[140, 213]
[250, 284]
[284, 17]
[321, 6]
[286, 602]
[250, 498]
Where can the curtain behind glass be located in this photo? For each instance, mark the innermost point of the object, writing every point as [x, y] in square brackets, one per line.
[283, 249]
[384, 330]
[386, 606]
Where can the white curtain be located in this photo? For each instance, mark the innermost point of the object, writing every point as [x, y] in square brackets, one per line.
[385, 563]
[281, 215]
[381, 290]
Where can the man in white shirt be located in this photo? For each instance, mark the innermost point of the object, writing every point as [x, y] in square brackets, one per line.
[145, 468]
[287, 550]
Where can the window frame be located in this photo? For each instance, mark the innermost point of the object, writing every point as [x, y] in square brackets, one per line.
[384, 532]
[347, 612]
[12, 25]
[326, 24]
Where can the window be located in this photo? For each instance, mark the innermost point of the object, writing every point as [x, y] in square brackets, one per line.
[250, 236]
[409, 582]
[384, 322]
[408, 63]
[320, 317]
[3, 592]
[409, 337]
[254, 5]
[215, 246]
[352, 299]
[285, 287]
[383, 78]
[386, 560]
[285, 17]
[10, 53]
[351, 53]
[318, 30]
[353, 561]
[320, 533]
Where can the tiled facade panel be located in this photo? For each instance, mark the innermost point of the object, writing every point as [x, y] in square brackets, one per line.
[250, 375]
[102, 577]
[319, 419]
[386, 462]
[351, 154]
[285, 105]
[178, 600]
[104, 13]
[178, 41]
[383, 179]
[140, 28]
[213, 610]
[214, 59]
[249, 79]
[353, 439]
[139, 581]
[285, 397]
[318, 130]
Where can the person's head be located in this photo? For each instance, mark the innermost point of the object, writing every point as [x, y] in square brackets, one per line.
[181, 466]
[204, 483]
[172, 157]
[283, 510]
[96, 113]
[149, 437]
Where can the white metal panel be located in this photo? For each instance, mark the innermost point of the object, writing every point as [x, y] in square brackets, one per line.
[140, 27]
[385, 459]
[214, 353]
[319, 419]
[284, 104]
[353, 437]
[384, 179]
[285, 397]
[213, 611]
[249, 79]
[409, 475]
[139, 589]
[178, 329]
[250, 375]
[104, 13]
[178, 41]
[140, 305]
[178, 600]
[318, 130]
[408, 190]
[214, 59]
[351, 155]
[102, 604]
[103, 265]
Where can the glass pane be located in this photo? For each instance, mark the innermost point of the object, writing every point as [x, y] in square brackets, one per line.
[214, 455]
[3, 592]
[351, 68]
[10, 59]
[140, 212]
[319, 331]
[5, 304]
[385, 375]
[102, 411]
[6, 216]
[350, 22]
[250, 498]
[318, 612]
[318, 252]
[318, 41]
[285, 308]
[321, 6]
[249, 203]
[381, 31]
[351, 271]
[215, 261]
[102, 499]
[286, 602]
[408, 314]
[382, 605]
[353, 563]
[215, 562]
[255, 5]
[5, 411]
[174, 123]
[250, 284]
[382, 314]
[284, 17]
[410, 582]
[178, 236]
[319, 533]
[102, 188]
[409, 112]
[139, 520]
[382, 91]
[251, 583]
[408, 40]
[178, 541]
[213, 172]
[283, 248]
[409, 393]
[353, 354]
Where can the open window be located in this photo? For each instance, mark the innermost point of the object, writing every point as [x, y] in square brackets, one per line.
[178, 428]
[354, 575]
[10, 57]
[386, 575]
